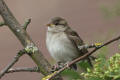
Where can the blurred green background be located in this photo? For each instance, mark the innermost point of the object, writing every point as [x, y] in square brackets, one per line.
[94, 20]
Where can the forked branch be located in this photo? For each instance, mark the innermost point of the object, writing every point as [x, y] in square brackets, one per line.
[16, 58]
[24, 38]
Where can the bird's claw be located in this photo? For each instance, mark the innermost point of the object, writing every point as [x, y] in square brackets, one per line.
[67, 64]
[57, 66]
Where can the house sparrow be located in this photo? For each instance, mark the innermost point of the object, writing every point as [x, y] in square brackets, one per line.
[62, 42]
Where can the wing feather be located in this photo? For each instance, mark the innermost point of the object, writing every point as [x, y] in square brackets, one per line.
[75, 39]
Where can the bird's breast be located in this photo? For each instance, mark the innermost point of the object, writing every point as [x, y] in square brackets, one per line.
[60, 47]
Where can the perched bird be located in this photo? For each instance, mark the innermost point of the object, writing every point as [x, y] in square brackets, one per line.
[62, 42]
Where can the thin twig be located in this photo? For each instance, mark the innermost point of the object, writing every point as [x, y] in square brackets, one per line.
[34, 69]
[86, 46]
[16, 58]
[83, 57]
[27, 22]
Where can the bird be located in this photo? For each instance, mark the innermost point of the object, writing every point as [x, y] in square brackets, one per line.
[62, 42]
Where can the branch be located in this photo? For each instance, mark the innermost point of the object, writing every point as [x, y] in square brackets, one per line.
[24, 38]
[16, 58]
[86, 46]
[82, 57]
[34, 69]
[2, 24]
[27, 22]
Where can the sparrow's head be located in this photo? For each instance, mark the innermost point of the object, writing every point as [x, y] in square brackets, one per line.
[57, 23]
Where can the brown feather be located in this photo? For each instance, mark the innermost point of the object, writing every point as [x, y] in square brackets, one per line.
[76, 40]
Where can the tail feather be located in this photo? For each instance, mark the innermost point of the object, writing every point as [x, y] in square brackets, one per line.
[74, 67]
[89, 61]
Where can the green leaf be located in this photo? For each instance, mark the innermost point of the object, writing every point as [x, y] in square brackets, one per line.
[71, 74]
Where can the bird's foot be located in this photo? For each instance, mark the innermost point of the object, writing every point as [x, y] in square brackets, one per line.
[57, 66]
[60, 65]
[67, 64]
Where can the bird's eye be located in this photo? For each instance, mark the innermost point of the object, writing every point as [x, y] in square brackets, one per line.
[56, 23]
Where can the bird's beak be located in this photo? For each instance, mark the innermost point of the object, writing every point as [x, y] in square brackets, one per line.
[50, 25]
[47, 24]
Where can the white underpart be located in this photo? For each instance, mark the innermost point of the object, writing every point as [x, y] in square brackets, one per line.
[60, 47]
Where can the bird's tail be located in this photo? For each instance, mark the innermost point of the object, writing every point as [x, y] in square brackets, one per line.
[74, 67]
[89, 61]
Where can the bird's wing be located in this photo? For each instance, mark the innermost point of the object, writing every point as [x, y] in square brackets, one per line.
[75, 39]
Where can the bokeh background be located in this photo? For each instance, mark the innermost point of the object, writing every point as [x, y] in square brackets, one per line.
[94, 20]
